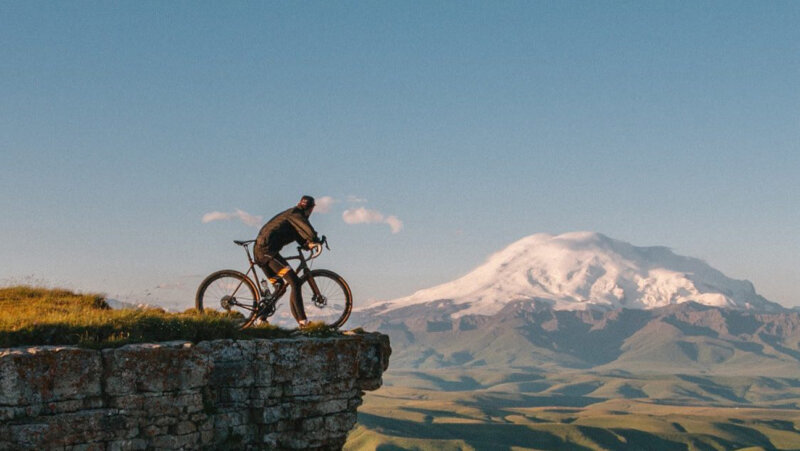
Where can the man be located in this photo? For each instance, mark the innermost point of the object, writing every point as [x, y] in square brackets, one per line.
[290, 225]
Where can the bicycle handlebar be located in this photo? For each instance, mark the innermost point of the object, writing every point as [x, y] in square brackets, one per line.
[316, 249]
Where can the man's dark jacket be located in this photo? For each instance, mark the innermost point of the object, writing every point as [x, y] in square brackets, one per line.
[291, 225]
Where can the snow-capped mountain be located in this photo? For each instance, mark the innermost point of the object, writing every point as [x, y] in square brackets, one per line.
[582, 270]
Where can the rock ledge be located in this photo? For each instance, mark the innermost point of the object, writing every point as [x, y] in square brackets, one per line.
[251, 394]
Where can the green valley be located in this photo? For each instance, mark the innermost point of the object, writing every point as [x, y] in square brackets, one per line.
[457, 409]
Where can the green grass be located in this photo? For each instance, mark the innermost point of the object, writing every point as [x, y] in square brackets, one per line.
[42, 316]
[318, 329]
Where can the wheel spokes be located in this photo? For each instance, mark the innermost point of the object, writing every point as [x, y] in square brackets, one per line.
[228, 294]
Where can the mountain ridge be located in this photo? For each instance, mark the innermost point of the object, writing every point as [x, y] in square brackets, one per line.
[588, 270]
[687, 338]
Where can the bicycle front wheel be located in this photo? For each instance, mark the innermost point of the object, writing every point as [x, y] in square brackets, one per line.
[228, 292]
[331, 301]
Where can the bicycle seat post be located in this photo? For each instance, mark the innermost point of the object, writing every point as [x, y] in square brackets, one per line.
[247, 251]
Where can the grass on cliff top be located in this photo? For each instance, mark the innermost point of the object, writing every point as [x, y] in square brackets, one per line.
[41, 316]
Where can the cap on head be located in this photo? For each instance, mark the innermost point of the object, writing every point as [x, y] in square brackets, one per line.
[306, 202]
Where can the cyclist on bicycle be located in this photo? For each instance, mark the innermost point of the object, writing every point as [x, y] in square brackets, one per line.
[290, 225]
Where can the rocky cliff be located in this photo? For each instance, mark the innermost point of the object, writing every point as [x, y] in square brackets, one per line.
[255, 394]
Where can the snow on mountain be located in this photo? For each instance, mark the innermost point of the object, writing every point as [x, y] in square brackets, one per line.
[581, 270]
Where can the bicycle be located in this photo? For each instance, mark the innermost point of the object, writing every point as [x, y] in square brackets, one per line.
[326, 295]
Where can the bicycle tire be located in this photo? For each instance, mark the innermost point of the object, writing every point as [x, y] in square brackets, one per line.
[231, 287]
[337, 302]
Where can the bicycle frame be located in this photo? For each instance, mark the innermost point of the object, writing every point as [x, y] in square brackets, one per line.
[262, 291]
[302, 270]
[248, 293]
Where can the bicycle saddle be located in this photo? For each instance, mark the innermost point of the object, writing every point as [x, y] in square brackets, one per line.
[244, 243]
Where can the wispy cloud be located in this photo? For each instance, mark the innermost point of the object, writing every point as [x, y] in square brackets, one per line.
[324, 204]
[363, 215]
[395, 223]
[245, 217]
[356, 200]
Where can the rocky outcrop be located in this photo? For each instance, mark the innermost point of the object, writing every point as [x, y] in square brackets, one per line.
[251, 394]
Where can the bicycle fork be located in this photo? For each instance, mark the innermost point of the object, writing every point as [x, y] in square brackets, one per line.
[316, 296]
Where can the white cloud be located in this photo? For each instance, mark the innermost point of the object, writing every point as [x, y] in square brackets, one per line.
[245, 217]
[395, 223]
[324, 203]
[362, 215]
[216, 216]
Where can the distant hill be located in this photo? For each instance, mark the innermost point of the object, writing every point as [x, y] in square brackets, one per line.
[685, 338]
[122, 305]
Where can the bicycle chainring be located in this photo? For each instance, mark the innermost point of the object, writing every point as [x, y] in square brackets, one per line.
[266, 309]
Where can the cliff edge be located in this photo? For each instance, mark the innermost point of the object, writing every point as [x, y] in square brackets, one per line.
[299, 393]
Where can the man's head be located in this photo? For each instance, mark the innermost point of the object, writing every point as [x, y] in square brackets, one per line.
[306, 204]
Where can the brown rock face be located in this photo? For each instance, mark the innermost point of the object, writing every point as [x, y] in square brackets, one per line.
[256, 394]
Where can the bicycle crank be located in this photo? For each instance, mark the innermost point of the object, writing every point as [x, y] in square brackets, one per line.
[267, 309]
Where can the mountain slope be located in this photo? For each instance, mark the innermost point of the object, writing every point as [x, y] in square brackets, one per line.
[585, 301]
[689, 338]
[583, 270]
[581, 341]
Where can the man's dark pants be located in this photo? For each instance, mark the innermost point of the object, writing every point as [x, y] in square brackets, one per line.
[275, 266]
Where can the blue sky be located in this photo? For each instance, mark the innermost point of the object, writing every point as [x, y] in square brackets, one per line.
[473, 123]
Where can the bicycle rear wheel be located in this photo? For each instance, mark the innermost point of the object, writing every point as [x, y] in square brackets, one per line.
[334, 301]
[228, 292]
